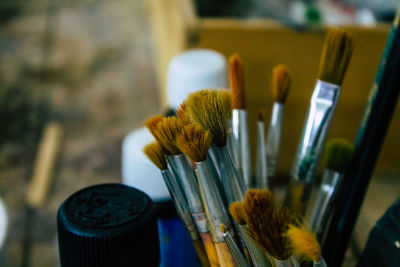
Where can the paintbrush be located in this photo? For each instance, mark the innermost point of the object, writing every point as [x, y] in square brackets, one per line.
[336, 54]
[305, 246]
[211, 109]
[338, 155]
[233, 248]
[371, 134]
[155, 153]
[239, 119]
[261, 168]
[267, 225]
[195, 142]
[166, 132]
[258, 257]
[281, 82]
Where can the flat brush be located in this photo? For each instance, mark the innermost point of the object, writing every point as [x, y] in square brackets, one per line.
[166, 132]
[336, 54]
[261, 167]
[156, 155]
[194, 141]
[233, 248]
[258, 258]
[239, 118]
[281, 82]
[338, 156]
[211, 109]
[305, 246]
[267, 225]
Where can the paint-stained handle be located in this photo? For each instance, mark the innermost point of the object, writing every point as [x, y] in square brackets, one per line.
[225, 257]
[198, 246]
[210, 249]
[44, 164]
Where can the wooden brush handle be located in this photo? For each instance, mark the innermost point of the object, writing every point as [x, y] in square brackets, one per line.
[198, 246]
[210, 249]
[225, 257]
[44, 164]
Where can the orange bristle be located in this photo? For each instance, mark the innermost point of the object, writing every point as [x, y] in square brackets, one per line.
[156, 155]
[236, 78]
[166, 132]
[304, 243]
[281, 82]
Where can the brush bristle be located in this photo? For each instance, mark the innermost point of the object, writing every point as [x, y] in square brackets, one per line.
[237, 212]
[211, 109]
[166, 132]
[152, 122]
[156, 155]
[303, 243]
[336, 55]
[338, 154]
[222, 227]
[281, 82]
[236, 78]
[194, 142]
[261, 115]
[268, 224]
[181, 113]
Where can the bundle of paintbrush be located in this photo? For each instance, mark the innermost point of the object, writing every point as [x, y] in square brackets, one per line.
[204, 157]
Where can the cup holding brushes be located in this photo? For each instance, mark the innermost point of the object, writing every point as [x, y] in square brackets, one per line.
[195, 142]
[336, 55]
[239, 120]
[281, 83]
[338, 155]
[211, 109]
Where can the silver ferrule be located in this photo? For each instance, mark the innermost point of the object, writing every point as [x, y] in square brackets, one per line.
[274, 138]
[318, 120]
[231, 179]
[216, 207]
[289, 262]
[233, 145]
[187, 179]
[241, 135]
[320, 263]
[323, 203]
[214, 160]
[237, 255]
[258, 258]
[180, 204]
[261, 169]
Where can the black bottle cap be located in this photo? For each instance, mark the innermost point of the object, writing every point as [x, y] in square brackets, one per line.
[108, 225]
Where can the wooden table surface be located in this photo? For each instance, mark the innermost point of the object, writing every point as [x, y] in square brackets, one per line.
[103, 83]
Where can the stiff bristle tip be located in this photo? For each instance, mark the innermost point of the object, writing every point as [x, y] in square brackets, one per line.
[236, 78]
[152, 122]
[237, 213]
[166, 132]
[304, 243]
[181, 113]
[211, 109]
[156, 155]
[336, 55]
[281, 82]
[194, 142]
[338, 154]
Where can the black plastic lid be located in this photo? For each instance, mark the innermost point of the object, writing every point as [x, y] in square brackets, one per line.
[108, 225]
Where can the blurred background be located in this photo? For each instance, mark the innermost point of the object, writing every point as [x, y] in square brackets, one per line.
[99, 69]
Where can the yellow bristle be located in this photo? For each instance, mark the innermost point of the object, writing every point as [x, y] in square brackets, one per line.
[237, 213]
[304, 243]
[156, 155]
[281, 82]
[181, 113]
[194, 142]
[152, 122]
[236, 78]
[336, 55]
[166, 132]
[211, 109]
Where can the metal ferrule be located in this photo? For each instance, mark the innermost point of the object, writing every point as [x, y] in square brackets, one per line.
[187, 178]
[289, 262]
[214, 160]
[323, 203]
[320, 263]
[216, 207]
[241, 136]
[237, 255]
[274, 138]
[233, 146]
[231, 179]
[258, 258]
[180, 204]
[319, 117]
[261, 170]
